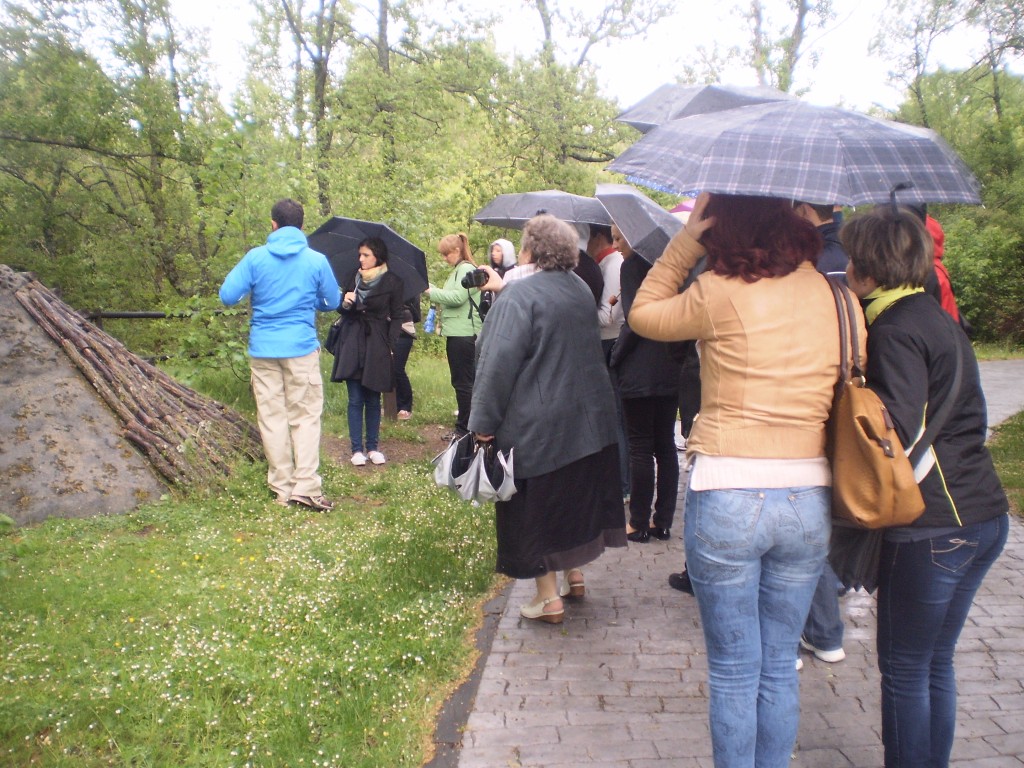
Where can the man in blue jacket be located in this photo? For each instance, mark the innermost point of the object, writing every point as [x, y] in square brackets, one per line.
[287, 282]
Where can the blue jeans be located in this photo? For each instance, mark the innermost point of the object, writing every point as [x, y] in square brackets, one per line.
[360, 400]
[754, 557]
[824, 626]
[925, 591]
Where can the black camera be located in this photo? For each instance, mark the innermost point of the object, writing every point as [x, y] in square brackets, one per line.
[475, 279]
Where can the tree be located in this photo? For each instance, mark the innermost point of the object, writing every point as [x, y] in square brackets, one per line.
[316, 35]
[106, 182]
[984, 246]
[1003, 23]
[774, 55]
[777, 45]
[908, 38]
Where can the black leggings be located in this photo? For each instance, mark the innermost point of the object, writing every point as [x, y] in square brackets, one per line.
[650, 427]
[461, 351]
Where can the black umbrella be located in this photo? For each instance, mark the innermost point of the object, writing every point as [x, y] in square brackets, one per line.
[338, 239]
[646, 226]
[515, 209]
[672, 101]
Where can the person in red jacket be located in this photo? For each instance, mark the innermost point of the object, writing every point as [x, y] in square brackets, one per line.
[944, 293]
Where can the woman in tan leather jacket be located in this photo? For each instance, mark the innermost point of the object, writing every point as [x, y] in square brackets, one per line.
[757, 520]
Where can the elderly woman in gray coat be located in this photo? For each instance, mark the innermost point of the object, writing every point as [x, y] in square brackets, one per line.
[542, 388]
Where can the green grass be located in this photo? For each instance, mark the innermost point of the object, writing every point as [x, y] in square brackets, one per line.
[1007, 448]
[224, 630]
[998, 350]
[434, 399]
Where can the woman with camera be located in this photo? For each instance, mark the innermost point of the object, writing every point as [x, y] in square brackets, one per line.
[460, 321]
[371, 319]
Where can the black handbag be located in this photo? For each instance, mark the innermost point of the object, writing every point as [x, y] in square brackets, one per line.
[854, 554]
[333, 336]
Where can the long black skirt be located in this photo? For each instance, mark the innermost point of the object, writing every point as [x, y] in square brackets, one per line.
[563, 519]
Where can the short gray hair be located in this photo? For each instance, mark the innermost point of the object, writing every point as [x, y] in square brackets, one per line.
[551, 243]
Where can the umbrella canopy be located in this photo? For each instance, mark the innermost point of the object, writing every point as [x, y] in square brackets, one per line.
[646, 226]
[514, 210]
[339, 237]
[672, 101]
[799, 151]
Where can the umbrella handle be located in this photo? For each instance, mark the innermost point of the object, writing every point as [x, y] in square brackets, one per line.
[892, 195]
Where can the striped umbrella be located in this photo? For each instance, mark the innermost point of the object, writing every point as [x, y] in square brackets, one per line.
[793, 150]
[672, 101]
[646, 226]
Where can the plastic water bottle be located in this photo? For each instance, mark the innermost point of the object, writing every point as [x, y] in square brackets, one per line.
[428, 324]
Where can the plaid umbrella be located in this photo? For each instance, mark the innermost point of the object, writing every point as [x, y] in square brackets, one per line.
[512, 211]
[339, 237]
[799, 151]
[646, 226]
[672, 101]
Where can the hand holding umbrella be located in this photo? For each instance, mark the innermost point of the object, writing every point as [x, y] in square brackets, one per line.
[339, 237]
[697, 224]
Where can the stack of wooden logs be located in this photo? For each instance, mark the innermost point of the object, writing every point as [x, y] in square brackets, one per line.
[187, 437]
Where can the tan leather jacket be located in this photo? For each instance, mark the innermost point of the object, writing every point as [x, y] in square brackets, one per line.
[769, 357]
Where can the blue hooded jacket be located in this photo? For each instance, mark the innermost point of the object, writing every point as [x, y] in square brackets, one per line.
[288, 282]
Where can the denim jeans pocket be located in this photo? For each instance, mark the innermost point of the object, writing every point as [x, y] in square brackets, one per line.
[726, 519]
[953, 553]
[813, 505]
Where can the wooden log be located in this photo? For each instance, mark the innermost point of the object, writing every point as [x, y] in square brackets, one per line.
[185, 435]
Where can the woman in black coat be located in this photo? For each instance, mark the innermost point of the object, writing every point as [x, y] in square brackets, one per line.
[371, 319]
[931, 569]
[648, 376]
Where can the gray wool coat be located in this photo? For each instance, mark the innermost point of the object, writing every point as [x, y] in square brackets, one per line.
[542, 386]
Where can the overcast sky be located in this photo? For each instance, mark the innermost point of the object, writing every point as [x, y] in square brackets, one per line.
[631, 69]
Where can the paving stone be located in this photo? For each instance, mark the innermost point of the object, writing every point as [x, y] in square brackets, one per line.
[622, 683]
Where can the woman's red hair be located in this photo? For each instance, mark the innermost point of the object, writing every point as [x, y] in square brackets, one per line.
[755, 237]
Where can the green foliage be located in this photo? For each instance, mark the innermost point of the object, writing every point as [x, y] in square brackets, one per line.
[981, 114]
[985, 259]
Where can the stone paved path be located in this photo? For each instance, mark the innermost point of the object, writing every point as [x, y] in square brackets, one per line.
[622, 682]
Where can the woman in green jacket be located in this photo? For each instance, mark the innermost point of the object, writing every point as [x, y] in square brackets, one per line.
[460, 322]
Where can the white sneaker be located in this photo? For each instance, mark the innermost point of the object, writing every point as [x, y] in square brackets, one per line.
[376, 457]
[829, 657]
[359, 459]
[404, 415]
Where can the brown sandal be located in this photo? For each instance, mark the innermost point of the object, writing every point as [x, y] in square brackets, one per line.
[573, 588]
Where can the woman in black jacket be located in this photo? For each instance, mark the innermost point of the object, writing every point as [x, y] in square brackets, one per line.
[931, 569]
[371, 311]
[648, 378]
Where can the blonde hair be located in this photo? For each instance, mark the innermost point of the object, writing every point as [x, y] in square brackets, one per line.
[459, 243]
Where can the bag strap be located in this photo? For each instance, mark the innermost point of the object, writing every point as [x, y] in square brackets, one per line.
[851, 315]
[941, 415]
[847, 332]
